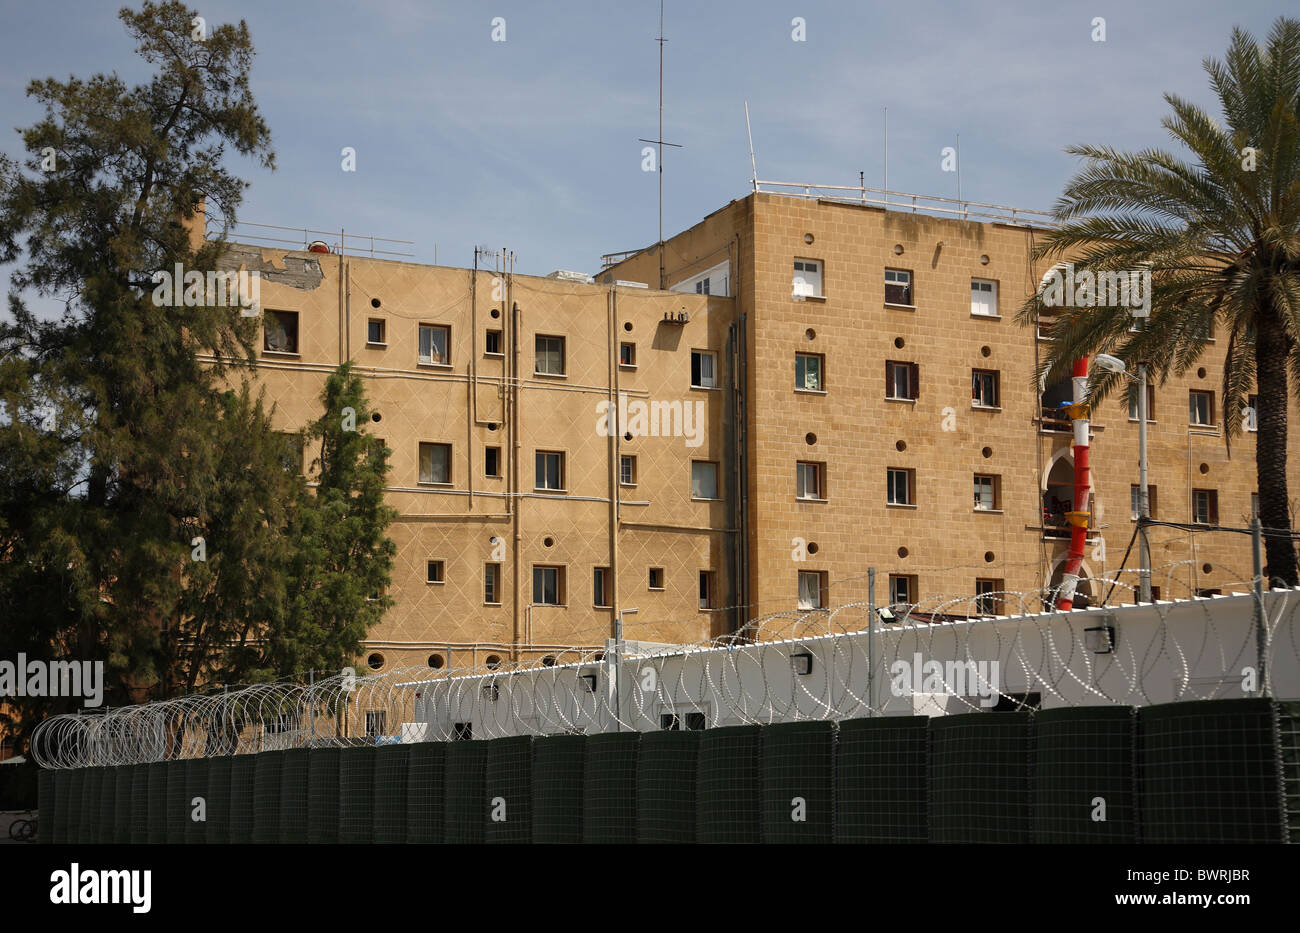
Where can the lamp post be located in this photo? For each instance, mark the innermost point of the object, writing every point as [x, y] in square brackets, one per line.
[1114, 364]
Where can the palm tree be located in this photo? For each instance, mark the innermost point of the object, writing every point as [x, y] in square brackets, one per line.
[1221, 238]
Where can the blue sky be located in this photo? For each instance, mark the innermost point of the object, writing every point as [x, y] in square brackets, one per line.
[531, 143]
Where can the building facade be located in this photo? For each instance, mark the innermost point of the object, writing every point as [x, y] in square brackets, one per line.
[558, 449]
[792, 392]
[893, 419]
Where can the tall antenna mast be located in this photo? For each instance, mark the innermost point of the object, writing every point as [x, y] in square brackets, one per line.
[660, 142]
[750, 133]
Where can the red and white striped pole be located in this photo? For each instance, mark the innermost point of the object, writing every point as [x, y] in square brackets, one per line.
[1078, 517]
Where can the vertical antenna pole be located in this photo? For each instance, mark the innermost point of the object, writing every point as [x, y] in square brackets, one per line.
[661, 144]
[959, 201]
[750, 133]
[886, 155]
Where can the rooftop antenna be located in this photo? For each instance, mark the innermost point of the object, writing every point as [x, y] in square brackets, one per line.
[886, 157]
[750, 133]
[660, 142]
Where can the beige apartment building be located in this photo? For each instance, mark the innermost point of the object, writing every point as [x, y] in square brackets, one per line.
[524, 522]
[806, 388]
[893, 419]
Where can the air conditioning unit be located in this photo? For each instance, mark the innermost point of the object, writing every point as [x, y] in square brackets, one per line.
[567, 275]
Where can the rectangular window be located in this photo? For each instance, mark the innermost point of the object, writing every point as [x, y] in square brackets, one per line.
[376, 722]
[988, 489]
[704, 479]
[433, 571]
[900, 486]
[1045, 323]
[703, 369]
[550, 470]
[627, 354]
[1254, 505]
[435, 463]
[548, 586]
[706, 589]
[983, 298]
[376, 331]
[492, 584]
[808, 371]
[656, 578]
[627, 470]
[702, 286]
[492, 461]
[1205, 506]
[550, 356]
[434, 340]
[984, 388]
[690, 722]
[902, 380]
[810, 480]
[280, 332]
[898, 287]
[812, 589]
[1250, 418]
[807, 278]
[1134, 492]
[492, 343]
[600, 588]
[987, 602]
[290, 452]
[1200, 408]
[1151, 404]
[902, 589]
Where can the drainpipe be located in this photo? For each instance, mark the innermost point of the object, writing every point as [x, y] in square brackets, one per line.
[1078, 518]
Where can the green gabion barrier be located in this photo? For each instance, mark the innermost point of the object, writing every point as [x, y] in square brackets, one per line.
[46, 805]
[156, 806]
[1084, 785]
[139, 804]
[557, 788]
[177, 812]
[90, 806]
[357, 795]
[123, 805]
[665, 786]
[609, 788]
[508, 790]
[267, 775]
[105, 826]
[218, 827]
[392, 767]
[464, 806]
[424, 793]
[727, 800]
[62, 801]
[323, 796]
[243, 777]
[881, 774]
[195, 776]
[293, 796]
[979, 778]
[1209, 772]
[796, 764]
[1289, 742]
[72, 818]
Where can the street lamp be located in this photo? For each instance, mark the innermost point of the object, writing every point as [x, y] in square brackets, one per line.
[1113, 364]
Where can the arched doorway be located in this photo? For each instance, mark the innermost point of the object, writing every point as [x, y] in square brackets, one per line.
[1084, 596]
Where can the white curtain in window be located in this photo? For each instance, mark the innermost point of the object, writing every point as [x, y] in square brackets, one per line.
[809, 591]
[704, 481]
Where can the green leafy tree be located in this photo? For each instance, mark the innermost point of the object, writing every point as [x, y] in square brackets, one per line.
[1221, 237]
[118, 437]
[341, 559]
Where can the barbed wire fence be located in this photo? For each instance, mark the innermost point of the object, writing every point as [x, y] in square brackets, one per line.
[949, 654]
